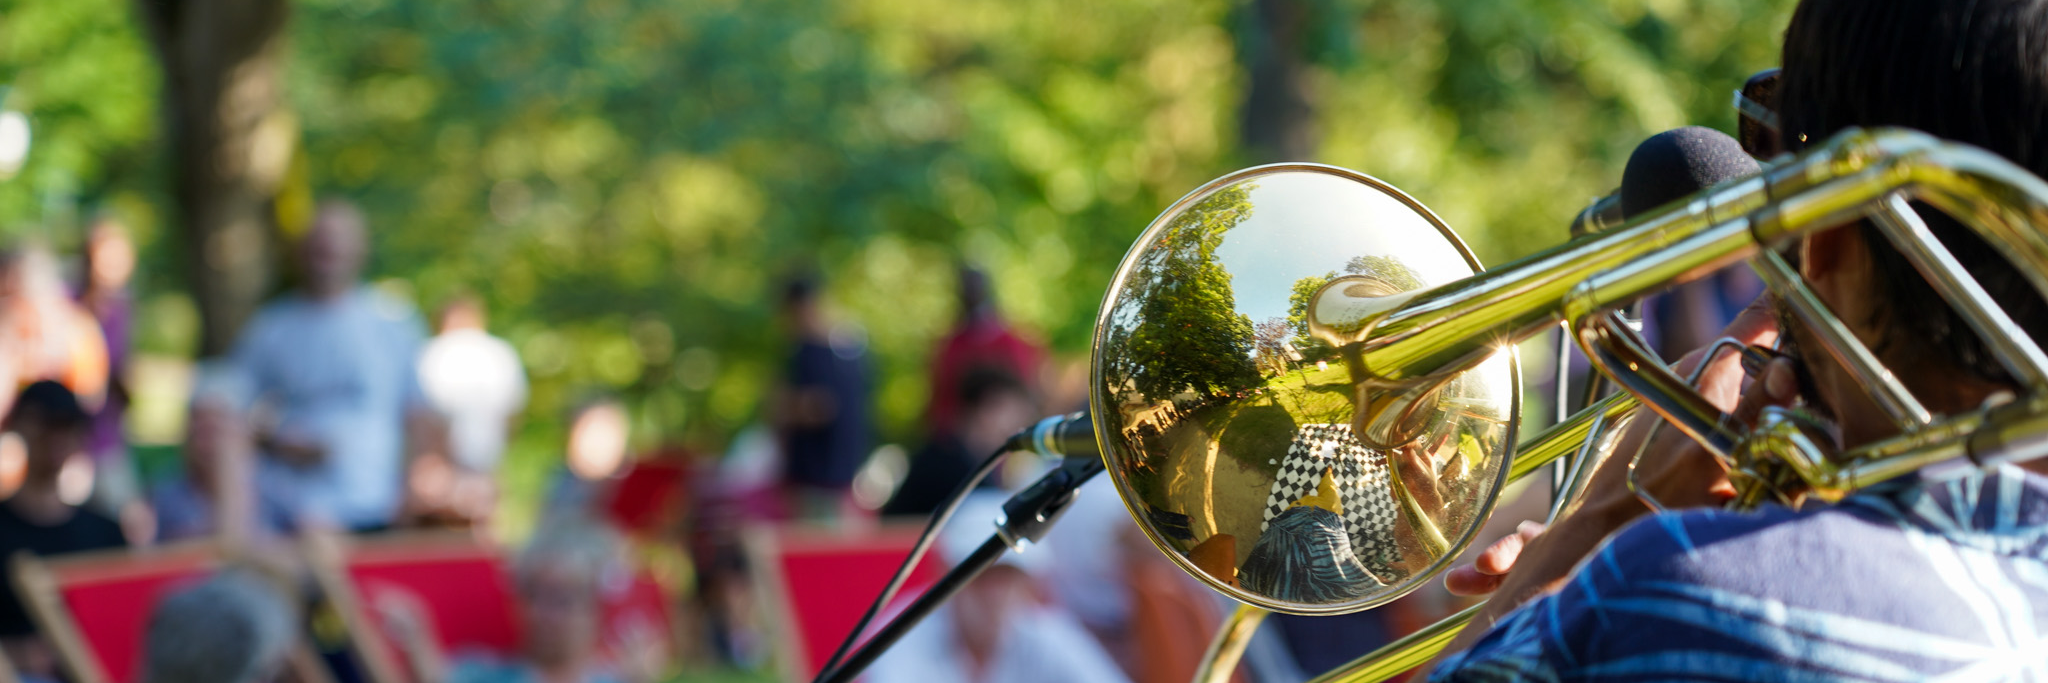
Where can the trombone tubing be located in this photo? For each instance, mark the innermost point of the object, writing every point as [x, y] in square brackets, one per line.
[1456, 326]
[1419, 647]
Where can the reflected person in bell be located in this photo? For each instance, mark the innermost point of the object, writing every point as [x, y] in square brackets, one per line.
[1408, 481]
[1929, 575]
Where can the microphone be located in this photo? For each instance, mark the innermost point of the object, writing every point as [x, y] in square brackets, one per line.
[1602, 215]
[1061, 436]
[1676, 164]
[1667, 167]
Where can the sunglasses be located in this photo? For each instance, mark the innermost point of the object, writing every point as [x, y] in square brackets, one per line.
[1756, 109]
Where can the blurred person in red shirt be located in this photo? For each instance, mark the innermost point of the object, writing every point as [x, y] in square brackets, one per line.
[979, 340]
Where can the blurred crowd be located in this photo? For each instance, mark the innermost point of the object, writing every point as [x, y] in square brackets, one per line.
[336, 413]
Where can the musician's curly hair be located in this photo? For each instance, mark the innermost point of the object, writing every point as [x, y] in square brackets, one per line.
[1973, 71]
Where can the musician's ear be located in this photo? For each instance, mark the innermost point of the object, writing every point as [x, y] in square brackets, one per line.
[1839, 266]
[1823, 255]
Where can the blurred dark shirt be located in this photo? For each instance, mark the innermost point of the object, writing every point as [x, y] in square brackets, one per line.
[828, 455]
[934, 472]
[86, 530]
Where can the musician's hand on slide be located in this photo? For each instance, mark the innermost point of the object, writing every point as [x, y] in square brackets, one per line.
[1491, 567]
[1675, 470]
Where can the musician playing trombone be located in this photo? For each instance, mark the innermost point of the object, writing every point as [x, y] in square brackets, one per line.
[1919, 577]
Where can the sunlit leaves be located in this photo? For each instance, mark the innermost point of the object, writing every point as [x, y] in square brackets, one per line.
[86, 79]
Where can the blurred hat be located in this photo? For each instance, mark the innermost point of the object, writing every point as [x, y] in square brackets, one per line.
[51, 403]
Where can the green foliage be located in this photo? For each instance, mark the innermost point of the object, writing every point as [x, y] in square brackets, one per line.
[1297, 315]
[88, 83]
[624, 180]
[1388, 269]
[1186, 333]
[1507, 116]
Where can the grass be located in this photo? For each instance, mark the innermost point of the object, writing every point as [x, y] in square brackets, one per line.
[1257, 431]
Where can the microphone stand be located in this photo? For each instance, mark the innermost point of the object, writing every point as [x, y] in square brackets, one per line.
[1026, 518]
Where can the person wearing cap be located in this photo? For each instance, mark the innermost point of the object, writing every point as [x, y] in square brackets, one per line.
[50, 428]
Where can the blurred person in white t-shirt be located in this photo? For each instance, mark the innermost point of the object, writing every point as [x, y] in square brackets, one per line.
[474, 382]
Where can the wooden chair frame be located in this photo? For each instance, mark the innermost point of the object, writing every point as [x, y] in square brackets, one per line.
[36, 581]
[762, 545]
[328, 553]
[41, 591]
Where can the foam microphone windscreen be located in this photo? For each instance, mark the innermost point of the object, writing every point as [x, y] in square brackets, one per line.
[1677, 163]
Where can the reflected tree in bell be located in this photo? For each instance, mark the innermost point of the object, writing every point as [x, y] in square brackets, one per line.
[1388, 269]
[1276, 353]
[1304, 290]
[1188, 335]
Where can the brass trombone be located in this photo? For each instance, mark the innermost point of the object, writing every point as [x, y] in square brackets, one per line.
[1343, 453]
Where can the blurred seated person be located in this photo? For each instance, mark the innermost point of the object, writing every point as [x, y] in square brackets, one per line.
[600, 436]
[235, 627]
[1002, 627]
[556, 579]
[993, 406]
[218, 482]
[51, 429]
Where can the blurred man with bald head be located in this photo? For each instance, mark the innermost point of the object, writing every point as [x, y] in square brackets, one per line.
[334, 363]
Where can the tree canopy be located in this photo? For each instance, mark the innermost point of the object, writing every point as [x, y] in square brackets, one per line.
[1186, 334]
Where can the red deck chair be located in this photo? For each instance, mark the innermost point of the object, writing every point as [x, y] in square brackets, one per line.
[94, 607]
[401, 592]
[638, 627]
[815, 583]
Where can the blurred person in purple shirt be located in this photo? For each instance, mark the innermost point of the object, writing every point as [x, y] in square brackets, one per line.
[109, 264]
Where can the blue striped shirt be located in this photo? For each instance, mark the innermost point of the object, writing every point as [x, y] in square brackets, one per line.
[1919, 579]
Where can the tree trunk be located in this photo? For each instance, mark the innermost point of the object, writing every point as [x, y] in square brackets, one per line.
[222, 61]
[1277, 122]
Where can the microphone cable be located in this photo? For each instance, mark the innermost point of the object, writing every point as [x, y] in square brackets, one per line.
[917, 552]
